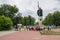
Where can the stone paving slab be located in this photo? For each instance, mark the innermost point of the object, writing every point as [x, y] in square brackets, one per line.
[29, 35]
[50, 37]
[22, 35]
[56, 30]
[2, 33]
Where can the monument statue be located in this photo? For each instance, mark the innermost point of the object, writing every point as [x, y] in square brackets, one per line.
[40, 14]
[39, 11]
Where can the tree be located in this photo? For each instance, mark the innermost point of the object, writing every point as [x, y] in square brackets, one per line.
[17, 19]
[5, 23]
[52, 19]
[27, 21]
[31, 20]
[8, 10]
[48, 20]
[56, 20]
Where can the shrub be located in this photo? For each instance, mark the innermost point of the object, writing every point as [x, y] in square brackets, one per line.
[5, 23]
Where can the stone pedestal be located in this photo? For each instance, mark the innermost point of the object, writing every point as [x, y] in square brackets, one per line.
[40, 22]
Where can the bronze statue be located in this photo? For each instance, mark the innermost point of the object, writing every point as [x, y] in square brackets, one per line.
[39, 11]
[40, 14]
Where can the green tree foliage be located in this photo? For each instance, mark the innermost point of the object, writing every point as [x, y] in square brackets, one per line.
[52, 19]
[28, 21]
[8, 10]
[56, 20]
[17, 19]
[48, 20]
[5, 23]
[11, 11]
[31, 20]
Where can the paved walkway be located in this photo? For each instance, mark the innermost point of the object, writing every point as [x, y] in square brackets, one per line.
[2, 33]
[56, 30]
[29, 35]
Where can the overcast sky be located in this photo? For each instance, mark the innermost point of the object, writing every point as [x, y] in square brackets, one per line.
[29, 7]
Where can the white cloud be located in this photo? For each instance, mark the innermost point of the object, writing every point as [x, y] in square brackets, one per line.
[29, 7]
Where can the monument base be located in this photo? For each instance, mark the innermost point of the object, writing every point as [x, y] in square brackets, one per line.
[40, 22]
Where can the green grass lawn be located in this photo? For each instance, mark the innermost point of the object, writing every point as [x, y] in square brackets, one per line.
[49, 32]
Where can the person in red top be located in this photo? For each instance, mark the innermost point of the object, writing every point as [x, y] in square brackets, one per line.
[36, 28]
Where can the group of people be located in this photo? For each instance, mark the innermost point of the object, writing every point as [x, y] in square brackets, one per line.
[36, 28]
